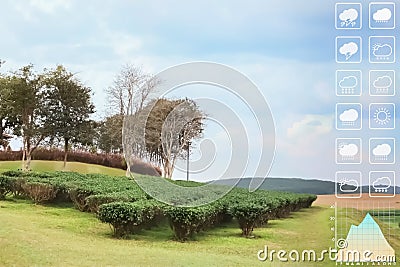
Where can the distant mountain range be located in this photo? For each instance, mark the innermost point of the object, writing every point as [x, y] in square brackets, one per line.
[296, 185]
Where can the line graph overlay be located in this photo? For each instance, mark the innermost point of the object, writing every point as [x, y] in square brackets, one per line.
[365, 226]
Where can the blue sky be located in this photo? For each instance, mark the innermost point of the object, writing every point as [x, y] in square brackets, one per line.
[286, 47]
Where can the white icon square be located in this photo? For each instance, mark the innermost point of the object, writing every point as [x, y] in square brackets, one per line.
[382, 15]
[348, 16]
[348, 83]
[382, 184]
[382, 116]
[382, 150]
[382, 82]
[382, 49]
[348, 151]
[348, 184]
[348, 116]
[348, 49]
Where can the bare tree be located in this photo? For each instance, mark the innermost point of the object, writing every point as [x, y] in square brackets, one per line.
[131, 89]
[127, 96]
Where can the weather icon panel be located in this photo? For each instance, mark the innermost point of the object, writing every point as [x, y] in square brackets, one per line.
[348, 116]
[382, 15]
[382, 83]
[348, 16]
[348, 184]
[382, 151]
[382, 184]
[348, 151]
[382, 116]
[348, 83]
[381, 49]
[348, 49]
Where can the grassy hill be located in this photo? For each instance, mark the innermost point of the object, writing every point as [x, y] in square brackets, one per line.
[42, 165]
[63, 236]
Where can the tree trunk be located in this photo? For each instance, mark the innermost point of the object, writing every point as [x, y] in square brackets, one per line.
[28, 161]
[66, 141]
[27, 154]
[167, 169]
[23, 153]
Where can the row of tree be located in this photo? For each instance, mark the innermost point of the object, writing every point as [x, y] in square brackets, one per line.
[45, 107]
[54, 109]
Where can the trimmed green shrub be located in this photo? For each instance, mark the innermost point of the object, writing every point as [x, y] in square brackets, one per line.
[5, 186]
[40, 192]
[186, 221]
[127, 218]
[95, 201]
[79, 198]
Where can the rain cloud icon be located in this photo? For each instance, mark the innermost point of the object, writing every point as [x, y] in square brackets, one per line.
[348, 117]
[348, 151]
[382, 184]
[382, 51]
[348, 82]
[383, 82]
[382, 152]
[382, 15]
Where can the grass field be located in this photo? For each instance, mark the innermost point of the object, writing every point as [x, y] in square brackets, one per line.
[42, 165]
[59, 235]
[34, 235]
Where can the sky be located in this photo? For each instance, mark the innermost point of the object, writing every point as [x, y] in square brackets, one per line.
[287, 48]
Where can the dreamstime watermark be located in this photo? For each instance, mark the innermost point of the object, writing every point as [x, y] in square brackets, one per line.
[341, 257]
[255, 143]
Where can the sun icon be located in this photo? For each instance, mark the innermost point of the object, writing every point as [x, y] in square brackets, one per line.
[382, 116]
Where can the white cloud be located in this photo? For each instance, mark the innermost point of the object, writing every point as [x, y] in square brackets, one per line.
[50, 7]
[310, 127]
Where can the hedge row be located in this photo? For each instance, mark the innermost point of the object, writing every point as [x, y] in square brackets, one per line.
[255, 209]
[120, 202]
[86, 191]
[108, 160]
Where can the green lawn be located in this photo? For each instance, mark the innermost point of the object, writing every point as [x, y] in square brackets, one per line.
[34, 235]
[43, 165]
[59, 235]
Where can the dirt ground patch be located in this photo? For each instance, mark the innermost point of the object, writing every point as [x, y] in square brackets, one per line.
[364, 203]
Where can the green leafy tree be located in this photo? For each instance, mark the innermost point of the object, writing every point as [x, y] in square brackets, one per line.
[25, 104]
[67, 108]
[7, 120]
[110, 134]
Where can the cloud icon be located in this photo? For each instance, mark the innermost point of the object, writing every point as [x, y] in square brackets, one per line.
[380, 50]
[383, 82]
[348, 185]
[348, 82]
[348, 49]
[382, 184]
[349, 150]
[382, 15]
[348, 16]
[382, 150]
[349, 115]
